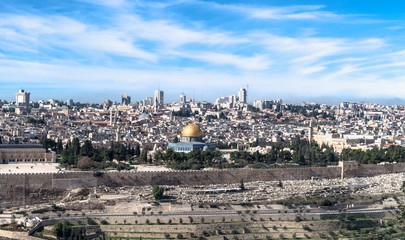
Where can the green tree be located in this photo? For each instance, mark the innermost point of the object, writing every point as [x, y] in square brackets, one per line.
[66, 230]
[137, 150]
[62, 230]
[144, 157]
[242, 185]
[59, 147]
[87, 149]
[158, 192]
[48, 144]
[58, 230]
[76, 146]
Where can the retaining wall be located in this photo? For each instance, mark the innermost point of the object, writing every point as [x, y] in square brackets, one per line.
[25, 189]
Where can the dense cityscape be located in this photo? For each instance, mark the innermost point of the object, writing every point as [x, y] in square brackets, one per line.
[202, 119]
[268, 127]
[58, 137]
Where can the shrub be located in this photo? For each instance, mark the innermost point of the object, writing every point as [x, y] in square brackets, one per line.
[91, 222]
[42, 210]
[242, 185]
[104, 222]
[158, 192]
[85, 163]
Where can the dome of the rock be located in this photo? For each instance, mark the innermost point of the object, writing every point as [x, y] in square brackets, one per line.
[191, 130]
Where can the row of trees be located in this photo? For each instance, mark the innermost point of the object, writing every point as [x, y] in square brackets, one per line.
[86, 156]
[375, 155]
[50, 144]
[301, 152]
[192, 160]
[311, 154]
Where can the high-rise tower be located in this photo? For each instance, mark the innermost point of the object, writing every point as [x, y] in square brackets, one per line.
[242, 95]
[22, 98]
[125, 99]
[182, 99]
[159, 98]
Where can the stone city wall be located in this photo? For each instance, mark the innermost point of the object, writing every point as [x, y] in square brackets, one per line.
[214, 177]
[25, 189]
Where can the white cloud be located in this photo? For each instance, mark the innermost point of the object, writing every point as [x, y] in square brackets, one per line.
[289, 62]
[172, 34]
[310, 70]
[257, 62]
[57, 31]
[110, 3]
[294, 12]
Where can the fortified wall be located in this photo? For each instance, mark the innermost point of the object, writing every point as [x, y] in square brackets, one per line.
[25, 189]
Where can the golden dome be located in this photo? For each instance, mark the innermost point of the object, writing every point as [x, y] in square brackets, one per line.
[191, 130]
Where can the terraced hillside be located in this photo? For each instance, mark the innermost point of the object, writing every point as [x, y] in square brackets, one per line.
[244, 226]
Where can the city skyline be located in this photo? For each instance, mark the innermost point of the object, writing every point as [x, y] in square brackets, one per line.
[96, 49]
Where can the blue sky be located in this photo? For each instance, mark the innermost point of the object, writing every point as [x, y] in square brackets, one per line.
[92, 50]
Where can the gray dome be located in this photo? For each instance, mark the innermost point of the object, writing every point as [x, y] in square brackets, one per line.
[144, 115]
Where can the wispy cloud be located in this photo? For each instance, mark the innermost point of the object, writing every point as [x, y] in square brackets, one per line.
[292, 12]
[257, 62]
[74, 36]
[289, 13]
[173, 34]
[139, 44]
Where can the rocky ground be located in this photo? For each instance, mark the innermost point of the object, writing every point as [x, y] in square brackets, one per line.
[379, 191]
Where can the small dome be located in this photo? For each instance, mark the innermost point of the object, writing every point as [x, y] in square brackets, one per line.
[191, 130]
[144, 115]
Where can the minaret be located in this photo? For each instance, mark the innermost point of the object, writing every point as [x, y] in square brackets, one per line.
[311, 132]
[117, 135]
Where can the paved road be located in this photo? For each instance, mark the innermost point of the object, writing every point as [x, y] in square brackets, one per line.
[228, 213]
